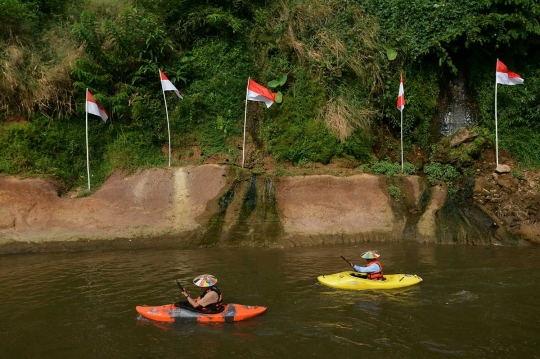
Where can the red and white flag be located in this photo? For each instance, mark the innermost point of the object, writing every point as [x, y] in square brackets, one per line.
[167, 85]
[93, 107]
[401, 95]
[256, 92]
[505, 77]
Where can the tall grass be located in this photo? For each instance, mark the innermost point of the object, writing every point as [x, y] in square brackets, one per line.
[342, 118]
[333, 37]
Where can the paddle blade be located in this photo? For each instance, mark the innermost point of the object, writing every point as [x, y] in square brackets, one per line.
[179, 285]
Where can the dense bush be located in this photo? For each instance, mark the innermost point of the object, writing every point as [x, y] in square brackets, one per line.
[50, 149]
[341, 59]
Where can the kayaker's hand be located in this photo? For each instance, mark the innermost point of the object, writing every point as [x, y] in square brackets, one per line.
[352, 265]
[185, 293]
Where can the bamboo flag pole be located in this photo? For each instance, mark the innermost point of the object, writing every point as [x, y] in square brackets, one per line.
[401, 106]
[167, 85]
[168, 126]
[87, 155]
[92, 107]
[245, 120]
[503, 77]
[401, 140]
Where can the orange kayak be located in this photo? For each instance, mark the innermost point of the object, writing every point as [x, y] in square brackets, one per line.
[171, 314]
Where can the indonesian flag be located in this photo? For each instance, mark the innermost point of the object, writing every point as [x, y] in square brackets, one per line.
[167, 85]
[401, 95]
[505, 77]
[256, 92]
[93, 107]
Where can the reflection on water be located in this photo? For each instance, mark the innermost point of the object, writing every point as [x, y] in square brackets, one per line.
[474, 302]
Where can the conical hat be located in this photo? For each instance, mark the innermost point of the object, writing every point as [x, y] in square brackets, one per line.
[370, 255]
[205, 280]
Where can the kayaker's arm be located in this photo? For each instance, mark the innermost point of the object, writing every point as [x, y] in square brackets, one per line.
[372, 268]
[191, 301]
[209, 298]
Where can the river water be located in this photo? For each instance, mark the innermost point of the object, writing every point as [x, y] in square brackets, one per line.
[474, 302]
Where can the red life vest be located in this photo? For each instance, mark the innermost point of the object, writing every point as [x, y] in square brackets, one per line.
[375, 275]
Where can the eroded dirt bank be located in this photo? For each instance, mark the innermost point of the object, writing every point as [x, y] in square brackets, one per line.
[212, 205]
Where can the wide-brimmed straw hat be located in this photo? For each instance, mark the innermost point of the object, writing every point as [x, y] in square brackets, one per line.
[205, 280]
[370, 255]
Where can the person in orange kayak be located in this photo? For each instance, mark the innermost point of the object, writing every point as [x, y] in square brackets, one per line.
[211, 299]
[373, 269]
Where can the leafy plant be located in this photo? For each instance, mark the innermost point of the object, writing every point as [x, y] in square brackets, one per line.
[392, 169]
[279, 82]
[391, 54]
[275, 83]
[395, 192]
[446, 173]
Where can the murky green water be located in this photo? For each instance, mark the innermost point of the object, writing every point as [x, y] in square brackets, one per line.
[475, 302]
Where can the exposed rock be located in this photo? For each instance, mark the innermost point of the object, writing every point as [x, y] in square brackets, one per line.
[146, 203]
[509, 184]
[482, 185]
[461, 149]
[210, 205]
[530, 232]
[503, 169]
[426, 224]
[462, 135]
[356, 204]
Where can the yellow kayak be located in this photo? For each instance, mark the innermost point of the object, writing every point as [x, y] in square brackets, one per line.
[358, 281]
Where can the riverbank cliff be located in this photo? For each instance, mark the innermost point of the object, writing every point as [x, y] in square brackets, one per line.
[213, 205]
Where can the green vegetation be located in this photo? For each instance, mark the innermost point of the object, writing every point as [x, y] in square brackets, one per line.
[518, 175]
[335, 64]
[395, 192]
[445, 173]
[392, 169]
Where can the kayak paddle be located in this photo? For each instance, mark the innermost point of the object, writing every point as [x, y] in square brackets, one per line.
[180, 285]
[347, 261]
[352, 265]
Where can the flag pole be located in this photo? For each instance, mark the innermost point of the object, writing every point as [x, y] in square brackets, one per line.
[87, 156]
[245, 120]
[168, 126]
[496, 130]
[401, 140]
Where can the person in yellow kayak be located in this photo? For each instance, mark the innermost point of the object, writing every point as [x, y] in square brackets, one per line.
[373, 269]
[211, 299]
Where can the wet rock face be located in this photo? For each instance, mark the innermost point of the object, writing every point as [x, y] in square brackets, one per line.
[462, 135]
[263, 210]
[246, 212]
[461, 149]
[458, 110]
